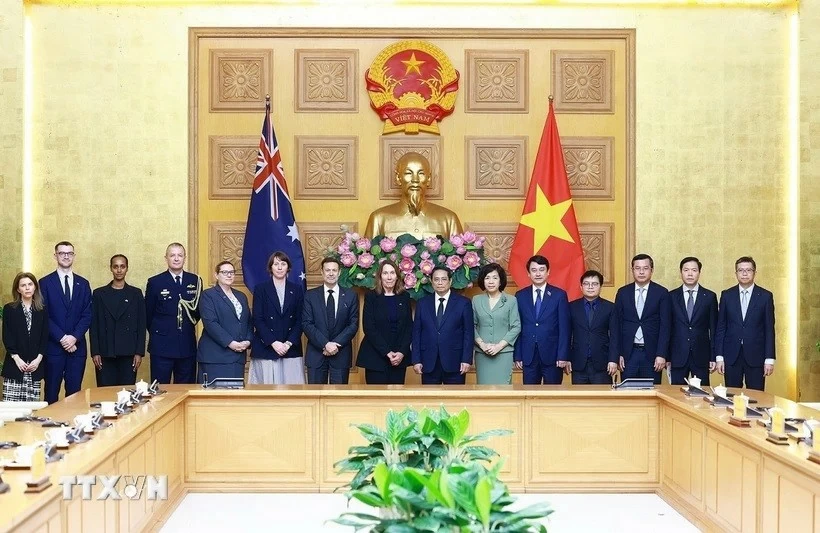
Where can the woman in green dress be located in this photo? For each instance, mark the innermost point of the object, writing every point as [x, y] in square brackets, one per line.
[497, 325]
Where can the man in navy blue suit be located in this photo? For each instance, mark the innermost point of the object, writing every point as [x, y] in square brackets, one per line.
[67, 298]
[443, 334]
[694, 320]
[171, 308]
[330, 320]
[542, 349]
[593, 359]
[744, 340]
[643, 318]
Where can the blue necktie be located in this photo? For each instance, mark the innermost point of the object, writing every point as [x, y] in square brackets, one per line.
[537, 302]
[440, 312]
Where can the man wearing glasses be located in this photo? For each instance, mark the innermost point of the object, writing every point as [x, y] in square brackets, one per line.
[643, 318]
[593, 359]
[744, 341]
[172, 311]
[67, 298]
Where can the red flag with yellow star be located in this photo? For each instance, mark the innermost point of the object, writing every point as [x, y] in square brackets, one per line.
[548, 226]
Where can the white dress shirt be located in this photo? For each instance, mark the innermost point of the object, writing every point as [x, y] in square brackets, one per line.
[62, 274]
[445, 302]
[335, 289]
[639, 332]
[543, 289]
[686, 295]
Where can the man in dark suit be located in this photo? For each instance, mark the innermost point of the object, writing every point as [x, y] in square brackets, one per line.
[542, 349]
[330, 320]
[593, 358]
[694, 319]
[643, 318]
[171, 309]
[67, 297]
[443, 329]
[744, 340]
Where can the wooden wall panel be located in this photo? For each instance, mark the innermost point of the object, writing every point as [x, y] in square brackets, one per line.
[683, 452]
[731, 483]
[229, 443]
[621, 443]
[789, 500]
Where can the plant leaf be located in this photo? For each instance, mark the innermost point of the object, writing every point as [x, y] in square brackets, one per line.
[444, 488]
[381, 477]
[445, 431]
[369, 498]
[427, 523]
[482, 500]
[487, 434]
[459, 424]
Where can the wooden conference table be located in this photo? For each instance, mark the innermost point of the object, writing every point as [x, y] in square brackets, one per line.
[565, 439]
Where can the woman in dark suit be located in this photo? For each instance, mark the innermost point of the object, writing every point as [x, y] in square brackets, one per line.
[276, 358]
[388, 327]
[117, 328]
[25, 336]
[227, 328]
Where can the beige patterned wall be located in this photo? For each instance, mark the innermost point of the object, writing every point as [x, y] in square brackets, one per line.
[711, 130]
[712, 153]
[110, 145]
[11, 143]
[808, 361]
[334, 160]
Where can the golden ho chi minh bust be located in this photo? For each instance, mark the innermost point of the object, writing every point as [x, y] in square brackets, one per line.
[413, 214]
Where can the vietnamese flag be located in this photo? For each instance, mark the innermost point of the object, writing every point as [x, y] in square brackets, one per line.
[548, 226]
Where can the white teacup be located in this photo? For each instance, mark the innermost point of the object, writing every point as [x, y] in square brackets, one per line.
[694, 382]
[57, 436]
[85, 422]
[720, 390]
[123, 396]
[141, 386]
[108, 408]
[22, 454]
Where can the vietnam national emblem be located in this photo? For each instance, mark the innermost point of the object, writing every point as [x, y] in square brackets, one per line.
[412, 86]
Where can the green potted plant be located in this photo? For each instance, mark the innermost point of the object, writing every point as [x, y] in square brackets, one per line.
[459, 498]
[427, 440]
[424, 473]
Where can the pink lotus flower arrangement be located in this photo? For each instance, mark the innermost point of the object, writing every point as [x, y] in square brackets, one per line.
[360, 257]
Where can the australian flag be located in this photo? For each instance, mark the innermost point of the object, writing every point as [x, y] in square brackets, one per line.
[271, 225]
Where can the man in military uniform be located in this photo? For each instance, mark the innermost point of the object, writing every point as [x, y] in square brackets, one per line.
[171, 304]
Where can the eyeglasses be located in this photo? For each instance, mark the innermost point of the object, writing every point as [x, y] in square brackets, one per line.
[227, 272]
[590, 284]
[745, 270]
[65, 254]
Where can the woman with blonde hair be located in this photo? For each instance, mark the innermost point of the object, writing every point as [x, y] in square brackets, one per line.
[25, 336]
